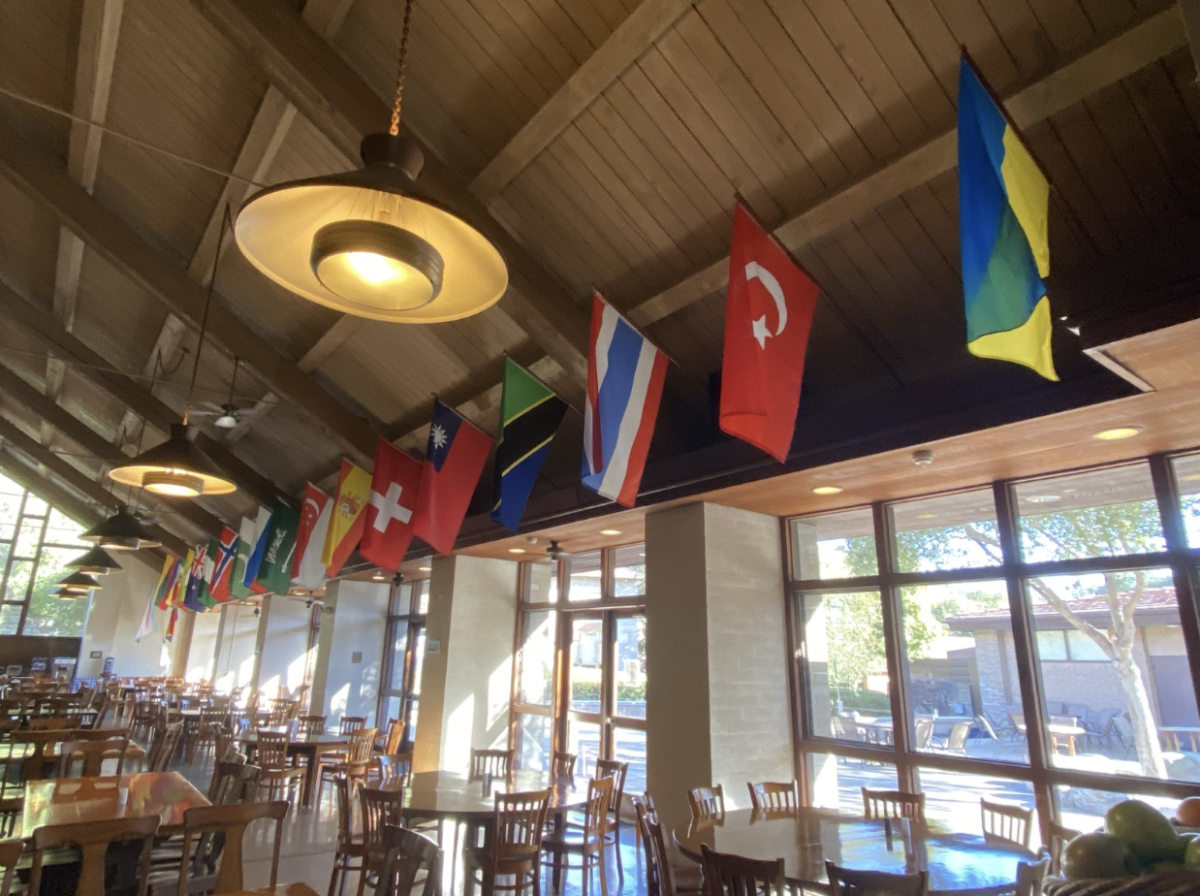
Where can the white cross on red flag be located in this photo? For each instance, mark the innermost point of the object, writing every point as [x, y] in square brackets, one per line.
[395, 487]
[768, 316]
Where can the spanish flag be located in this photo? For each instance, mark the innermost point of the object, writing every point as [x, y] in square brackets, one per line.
[1003, 198]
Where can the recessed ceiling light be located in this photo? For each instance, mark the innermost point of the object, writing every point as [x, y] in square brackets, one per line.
[1043, 499]
[610, 531]
[1192, 477]
[1117, 433]
[827, 490]
[926, 516]
[425, 568]
[516, 550]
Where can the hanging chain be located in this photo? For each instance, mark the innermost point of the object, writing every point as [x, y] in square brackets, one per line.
[226, 224]
[395, 127]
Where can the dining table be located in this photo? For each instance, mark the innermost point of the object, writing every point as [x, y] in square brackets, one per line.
[310, 746]
[279, 890]
[109, 798]
[959, 864]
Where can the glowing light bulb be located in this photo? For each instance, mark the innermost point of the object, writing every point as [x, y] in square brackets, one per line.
[374, 268]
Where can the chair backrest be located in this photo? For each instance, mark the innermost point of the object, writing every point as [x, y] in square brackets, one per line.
[350, 724]
[1006, 824]
[707, 802]
[49, 723]
[162, 748]
[90, 755]
[599, 803]
[496, 763]
[611, 768]
[986, 727]
[518, 820]
[233, 782]
[924, 733]
[362, 746]
[379, 808]
[344, 789]
[394, 765]
[848, 882]
[272, 749]
[10, 854]
[408, 853]
[774, 795]
[956, 740]
[563, 765]
[310, 725]
[395, 734]
[642, 811]
[92, 840]
[893, 804]
[1030, 877]
[730, 875]
[223, 738]
[1060, 836]
[11, 808]
[219, 832]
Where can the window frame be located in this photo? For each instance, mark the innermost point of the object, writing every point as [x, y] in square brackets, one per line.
[411, 624]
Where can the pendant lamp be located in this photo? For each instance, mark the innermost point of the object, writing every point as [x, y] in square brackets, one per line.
[369, 242]
[77, 584]
[96, 562]
[120, 532]
[177, 468]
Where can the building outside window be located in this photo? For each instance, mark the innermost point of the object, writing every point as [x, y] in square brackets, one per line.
[1024, 643]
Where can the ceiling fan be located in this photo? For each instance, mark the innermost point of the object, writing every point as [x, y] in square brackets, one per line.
[555, 551]
[228, 415]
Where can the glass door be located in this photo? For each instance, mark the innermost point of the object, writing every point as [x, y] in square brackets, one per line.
[586, 709]
[627, 691]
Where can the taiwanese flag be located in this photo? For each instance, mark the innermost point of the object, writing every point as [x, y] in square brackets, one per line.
[391, 506]
[768, 316]
[454, 460]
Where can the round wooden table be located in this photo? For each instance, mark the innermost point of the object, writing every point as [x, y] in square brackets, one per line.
[958, 864]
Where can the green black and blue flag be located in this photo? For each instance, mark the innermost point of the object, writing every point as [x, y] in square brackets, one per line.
[529, 416]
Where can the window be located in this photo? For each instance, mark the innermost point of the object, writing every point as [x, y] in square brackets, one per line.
[36, 543]
[921, 675]
[401, 696]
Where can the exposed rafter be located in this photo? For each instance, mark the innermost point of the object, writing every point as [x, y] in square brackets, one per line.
[1094, 69]
[1191, 20]
[106, 233]
[345, 108]
[630, 40]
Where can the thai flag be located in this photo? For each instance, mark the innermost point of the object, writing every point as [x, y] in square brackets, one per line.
[625, 383]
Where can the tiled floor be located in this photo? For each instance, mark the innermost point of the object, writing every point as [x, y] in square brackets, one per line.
[310, 834]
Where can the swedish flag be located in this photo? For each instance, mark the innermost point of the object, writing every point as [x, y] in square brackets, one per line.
[529, 416]
[1003, 199]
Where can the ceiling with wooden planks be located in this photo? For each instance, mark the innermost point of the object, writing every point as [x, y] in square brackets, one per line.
[603, 143]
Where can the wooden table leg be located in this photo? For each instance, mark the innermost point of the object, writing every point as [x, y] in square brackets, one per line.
[312, 779]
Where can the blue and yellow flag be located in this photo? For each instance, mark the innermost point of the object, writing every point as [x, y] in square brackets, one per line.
[1003, 199]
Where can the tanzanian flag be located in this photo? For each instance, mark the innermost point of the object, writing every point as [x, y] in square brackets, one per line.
[529, 416]
[1002, 206]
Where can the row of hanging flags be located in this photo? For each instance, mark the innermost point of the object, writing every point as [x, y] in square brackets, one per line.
[1003, 201]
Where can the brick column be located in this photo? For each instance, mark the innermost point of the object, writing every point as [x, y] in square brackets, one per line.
[716, 655]
[466, 685]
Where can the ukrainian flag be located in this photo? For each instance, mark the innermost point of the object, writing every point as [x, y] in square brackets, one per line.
[1003, 199]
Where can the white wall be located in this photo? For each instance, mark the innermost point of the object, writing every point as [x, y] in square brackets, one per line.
[202, 654]
[235, 663]
[113, 620]
[349, 662]
[283, 641]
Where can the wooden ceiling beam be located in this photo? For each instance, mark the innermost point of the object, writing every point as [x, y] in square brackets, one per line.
[100, 25]
[13, 437]
[633, 37]
[46, 182]
[93, 366]
[1190, 10]
[1096, 67]
[345, 108]
[59, 418]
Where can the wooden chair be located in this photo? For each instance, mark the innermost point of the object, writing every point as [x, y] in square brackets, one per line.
[847, 882]
[10, 855]
[563, 765]
[379, 808]
[497, 763]
[775, 795]
[211, 721]
[349, 852]
[310, 725]
[893, 804]
[1031, 877]
[1006, 825]
[391, 766]
[611, 768]
[730, 875]
[92, 841]
[225, 749]
[406, 854]
[671, 881]
[587, 842]
[233, 782]
[91, 753]
[163, 747]
[1060, 836]
[346, 727]
[707, 802]
[278, 775]
[514, 844]
[395, 735]
[219, 833]
[11, 808]
[358, 761]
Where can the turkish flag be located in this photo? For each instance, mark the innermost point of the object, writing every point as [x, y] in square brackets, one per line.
[395, 488]
[768, 316]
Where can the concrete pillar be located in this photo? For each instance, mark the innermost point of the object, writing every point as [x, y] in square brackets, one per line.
[282, 644]
[466, 684]
[716, 655]
[349, 665]
[236, 662]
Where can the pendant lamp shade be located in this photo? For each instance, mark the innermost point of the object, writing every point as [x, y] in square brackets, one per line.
[96, 562]
[77, 584]
[174, 469]
[120, 532]
[367, 242]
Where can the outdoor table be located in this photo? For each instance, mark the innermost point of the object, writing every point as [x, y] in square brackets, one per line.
[1175, 736]
[958, 864]
[69, 800]
[311, 746]
[1056, 731]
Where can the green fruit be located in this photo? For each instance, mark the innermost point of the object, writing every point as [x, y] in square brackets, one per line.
[1097, 855]
[1191, 855]
[1145, 830]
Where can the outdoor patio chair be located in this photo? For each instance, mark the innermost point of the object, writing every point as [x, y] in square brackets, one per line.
[956, 740]
[924, 733]
[985, 731]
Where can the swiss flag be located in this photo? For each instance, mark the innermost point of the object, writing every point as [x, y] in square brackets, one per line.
[768, 316]
[395, 487]
[454, 459]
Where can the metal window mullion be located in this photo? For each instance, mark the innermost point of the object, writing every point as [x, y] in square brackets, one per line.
[1025, 647]
[893, 643]
[795, 674]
